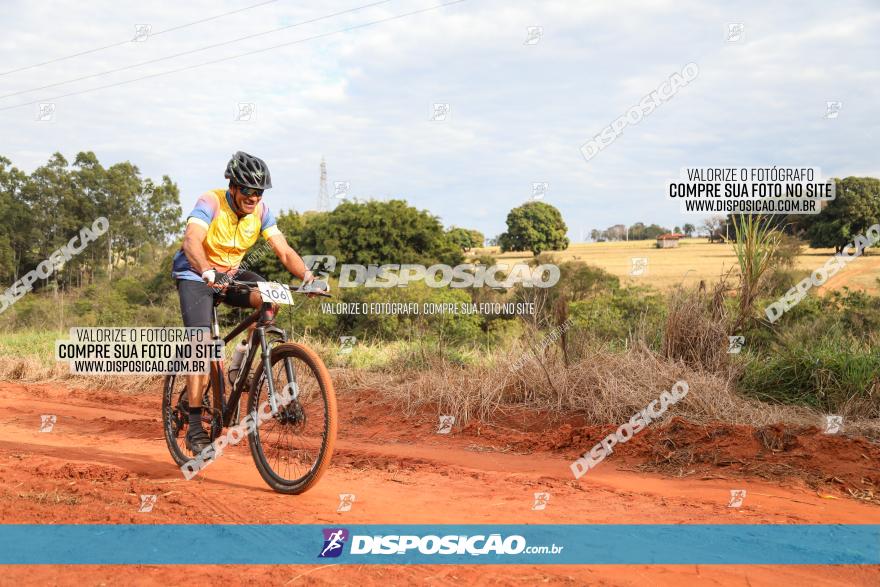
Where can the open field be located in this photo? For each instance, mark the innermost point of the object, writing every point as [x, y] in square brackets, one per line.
[692, 261]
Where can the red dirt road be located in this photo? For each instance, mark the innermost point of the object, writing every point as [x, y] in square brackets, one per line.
[106, 450]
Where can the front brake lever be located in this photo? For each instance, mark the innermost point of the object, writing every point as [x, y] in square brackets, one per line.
[315, 290]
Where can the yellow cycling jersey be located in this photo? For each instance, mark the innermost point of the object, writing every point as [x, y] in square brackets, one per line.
[229, 236]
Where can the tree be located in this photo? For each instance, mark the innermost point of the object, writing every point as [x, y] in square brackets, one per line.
[655, 230]
[379, 233]
[639, 231]
[715, 226]
[162, 202]
[465, 238]
[856, 207]
[616, 232]
[689, 229]
[535, 227]
[636, 232]
[46, 194]
[41, 212]
[16, 223]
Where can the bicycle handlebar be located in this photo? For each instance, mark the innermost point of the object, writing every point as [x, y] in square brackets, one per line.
[316, 288]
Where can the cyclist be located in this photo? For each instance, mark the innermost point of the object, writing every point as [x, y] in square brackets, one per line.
[221, 228]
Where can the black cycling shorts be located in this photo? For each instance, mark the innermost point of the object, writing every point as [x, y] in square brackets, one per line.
[197, 299]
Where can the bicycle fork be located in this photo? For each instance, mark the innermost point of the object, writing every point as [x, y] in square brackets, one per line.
[267, 361]
[261, 329]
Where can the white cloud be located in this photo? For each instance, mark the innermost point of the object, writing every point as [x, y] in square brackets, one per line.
[519, 113]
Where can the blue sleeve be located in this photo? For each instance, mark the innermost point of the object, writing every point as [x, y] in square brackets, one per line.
[268, 225]
[205, 209]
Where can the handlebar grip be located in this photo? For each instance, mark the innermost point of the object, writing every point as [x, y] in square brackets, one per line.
[317, 286]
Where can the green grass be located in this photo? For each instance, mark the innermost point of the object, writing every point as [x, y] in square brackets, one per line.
[39, 344]
[365, 355]
[828, 375]
[399, 356]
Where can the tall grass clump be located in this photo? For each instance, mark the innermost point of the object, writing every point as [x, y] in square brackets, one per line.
[755, 246]
[696, 329]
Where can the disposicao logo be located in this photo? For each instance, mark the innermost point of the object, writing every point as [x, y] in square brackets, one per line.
[334, 540]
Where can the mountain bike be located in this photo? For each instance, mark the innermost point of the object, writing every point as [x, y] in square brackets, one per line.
[293, 443]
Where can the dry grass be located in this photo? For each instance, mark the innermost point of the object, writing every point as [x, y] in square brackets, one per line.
[31, 369]
[697, 328]
[603, 386]
[54, 497]
[606, 387]
[693, 261]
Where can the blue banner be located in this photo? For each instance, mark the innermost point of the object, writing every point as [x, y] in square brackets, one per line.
[440, 544]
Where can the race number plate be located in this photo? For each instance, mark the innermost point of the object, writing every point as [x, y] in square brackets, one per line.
[277, 293]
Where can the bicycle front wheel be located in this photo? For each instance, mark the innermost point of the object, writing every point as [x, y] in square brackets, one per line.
[292, 449]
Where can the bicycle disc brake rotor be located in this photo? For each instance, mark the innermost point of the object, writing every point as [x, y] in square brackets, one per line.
[292, 414]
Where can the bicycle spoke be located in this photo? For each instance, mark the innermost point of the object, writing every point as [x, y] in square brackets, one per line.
[175, 416]
[290, 445]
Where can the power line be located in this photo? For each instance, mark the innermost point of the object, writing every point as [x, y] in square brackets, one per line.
[191, 51]
[254, 52]
[152, 34]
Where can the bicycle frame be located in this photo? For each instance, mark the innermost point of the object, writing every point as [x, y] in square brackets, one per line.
[261, 334]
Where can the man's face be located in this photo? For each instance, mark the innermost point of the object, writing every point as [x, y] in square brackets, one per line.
[247, 204]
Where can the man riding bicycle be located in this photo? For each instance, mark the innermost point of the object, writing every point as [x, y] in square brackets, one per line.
[221, 228]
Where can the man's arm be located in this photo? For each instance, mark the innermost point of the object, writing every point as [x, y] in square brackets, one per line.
[290, 258]
[193, 247]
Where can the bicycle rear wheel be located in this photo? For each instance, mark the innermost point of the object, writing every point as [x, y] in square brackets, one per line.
[175, 416]
[293, 448]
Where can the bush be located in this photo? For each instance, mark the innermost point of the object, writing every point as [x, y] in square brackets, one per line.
[404, 326]
[831, 374]
[778, 280]
[858, 312]
[618, 315]
[577, 281]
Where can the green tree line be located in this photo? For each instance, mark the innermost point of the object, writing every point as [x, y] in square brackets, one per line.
[41, 211]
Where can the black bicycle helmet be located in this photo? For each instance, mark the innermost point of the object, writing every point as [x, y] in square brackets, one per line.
[248, 171]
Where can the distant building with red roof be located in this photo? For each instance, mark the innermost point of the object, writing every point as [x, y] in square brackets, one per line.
[668, 240]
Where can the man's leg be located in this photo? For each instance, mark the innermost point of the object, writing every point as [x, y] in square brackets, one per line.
[252, 299]
[196, 306]
[247, 299]
[195, 388]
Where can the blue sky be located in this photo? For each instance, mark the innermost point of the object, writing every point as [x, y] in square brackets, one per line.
[519, 112]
